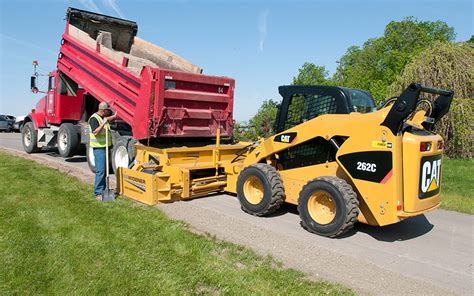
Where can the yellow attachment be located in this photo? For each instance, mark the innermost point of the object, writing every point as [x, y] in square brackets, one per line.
[253, 190]
[165, 175]
[322, 208]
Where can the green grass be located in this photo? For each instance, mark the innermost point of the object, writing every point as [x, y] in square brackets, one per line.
[457, 185]
[55, 239]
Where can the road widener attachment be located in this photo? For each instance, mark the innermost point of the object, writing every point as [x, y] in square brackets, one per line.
[166, 175]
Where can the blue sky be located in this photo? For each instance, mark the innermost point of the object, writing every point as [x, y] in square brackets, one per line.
[261, 44]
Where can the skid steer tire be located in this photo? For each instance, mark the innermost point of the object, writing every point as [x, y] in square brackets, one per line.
[260, 189]
[29, 137]
[328, 206]
[68, 140]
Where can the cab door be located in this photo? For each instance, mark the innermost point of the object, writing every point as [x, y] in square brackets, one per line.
[50, 98]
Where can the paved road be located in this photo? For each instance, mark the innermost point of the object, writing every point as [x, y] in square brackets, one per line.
[431, 254]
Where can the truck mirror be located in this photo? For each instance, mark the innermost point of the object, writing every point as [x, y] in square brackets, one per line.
[33, 86]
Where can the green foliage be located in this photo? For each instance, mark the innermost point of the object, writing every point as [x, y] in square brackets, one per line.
[310, 74]
[260, 125]
[409, 51]
[55, 239]
[457, 185]
[448, 66]
[375, 66]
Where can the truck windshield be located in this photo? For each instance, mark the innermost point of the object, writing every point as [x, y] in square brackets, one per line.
[362, 102]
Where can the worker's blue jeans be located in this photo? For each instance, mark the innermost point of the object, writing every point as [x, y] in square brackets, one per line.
[99, 182]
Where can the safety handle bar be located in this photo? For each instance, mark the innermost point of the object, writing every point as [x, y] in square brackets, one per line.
[407, 101]
[436, 91]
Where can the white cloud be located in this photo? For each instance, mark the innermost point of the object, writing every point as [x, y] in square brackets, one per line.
[262, 28]
[114, 6]
[90, 5]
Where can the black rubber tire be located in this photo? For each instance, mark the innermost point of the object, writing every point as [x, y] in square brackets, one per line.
[274, 193]
[29, 127]
[90, 158]
[128, 143]
[72, 139]
[346, 202]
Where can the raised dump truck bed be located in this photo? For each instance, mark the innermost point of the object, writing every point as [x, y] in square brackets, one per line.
[159, 96]
[123, 70]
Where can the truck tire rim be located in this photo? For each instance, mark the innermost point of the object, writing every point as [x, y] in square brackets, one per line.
[91, 156]
[27, 137]
[253, 190]
[62, 141]
[121, 157]
[321, 208]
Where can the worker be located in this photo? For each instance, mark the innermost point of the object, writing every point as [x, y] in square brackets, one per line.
[98, 124]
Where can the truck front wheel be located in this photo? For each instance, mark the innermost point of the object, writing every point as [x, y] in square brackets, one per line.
[29, 136]
[68, 139]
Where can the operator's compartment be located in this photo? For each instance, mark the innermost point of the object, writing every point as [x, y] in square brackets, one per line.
[422, 158]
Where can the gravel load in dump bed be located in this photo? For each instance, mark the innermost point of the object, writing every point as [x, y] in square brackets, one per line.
[142, 53]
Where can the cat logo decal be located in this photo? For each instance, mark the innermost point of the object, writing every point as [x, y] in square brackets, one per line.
[430, 176]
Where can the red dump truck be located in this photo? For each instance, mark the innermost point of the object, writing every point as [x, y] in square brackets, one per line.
[160, 98]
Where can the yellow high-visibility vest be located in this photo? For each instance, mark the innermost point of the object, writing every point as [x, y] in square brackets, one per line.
[99, 140]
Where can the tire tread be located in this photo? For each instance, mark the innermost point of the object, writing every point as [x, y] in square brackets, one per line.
[278, 192]
[34, 147]
[350, 199]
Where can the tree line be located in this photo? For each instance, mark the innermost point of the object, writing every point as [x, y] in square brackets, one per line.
[409, 51]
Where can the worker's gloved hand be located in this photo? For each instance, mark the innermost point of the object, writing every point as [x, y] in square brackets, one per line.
[111, 118]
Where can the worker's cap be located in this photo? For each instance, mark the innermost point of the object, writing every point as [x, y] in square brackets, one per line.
[104, 106]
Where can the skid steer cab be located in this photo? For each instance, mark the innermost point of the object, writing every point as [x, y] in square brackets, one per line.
[335, 156]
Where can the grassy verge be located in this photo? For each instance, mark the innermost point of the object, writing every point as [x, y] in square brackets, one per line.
[457, 185]
[55, 239]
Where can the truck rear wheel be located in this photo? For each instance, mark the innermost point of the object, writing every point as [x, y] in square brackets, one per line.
[29, 136]
[123, 153]
[90, 158]
[67, 139]
[328, 206]
[260, 189]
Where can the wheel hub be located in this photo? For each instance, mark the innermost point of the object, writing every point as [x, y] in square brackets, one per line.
[253, 190]
[322, 208]
[63, 141]
[27, 137]
[121, 157]
[91, 156]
